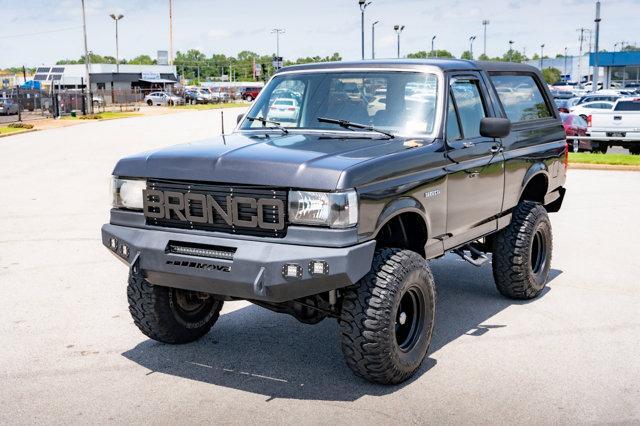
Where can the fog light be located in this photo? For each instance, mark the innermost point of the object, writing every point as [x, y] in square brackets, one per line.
[113, 243]
[318, 267]
[124, 250]
[291, 270]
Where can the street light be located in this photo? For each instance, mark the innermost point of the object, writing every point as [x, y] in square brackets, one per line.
[398, 29]
[511, 50]
[541, 55]
[117, 18]
[484, 24]
[363, 5]
[277, 32]
[565, 64]
[433, 51]
[373, 39]
[471, 40]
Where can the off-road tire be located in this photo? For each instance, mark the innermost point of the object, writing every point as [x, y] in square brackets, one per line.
[522, 253]
[369, 324]
[157, 313]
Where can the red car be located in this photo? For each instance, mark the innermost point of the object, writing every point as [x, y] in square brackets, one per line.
[574, 125]
[250, 93]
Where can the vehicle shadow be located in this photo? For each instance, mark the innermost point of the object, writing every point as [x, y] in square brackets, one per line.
[258, 351]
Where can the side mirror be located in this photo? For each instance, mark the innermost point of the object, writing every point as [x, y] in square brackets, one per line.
[239, 118]
[493, 127]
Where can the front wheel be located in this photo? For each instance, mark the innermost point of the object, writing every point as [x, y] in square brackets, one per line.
[634, 150]
[522, 253]
[387, 318]
[171, 315]
[150, 102]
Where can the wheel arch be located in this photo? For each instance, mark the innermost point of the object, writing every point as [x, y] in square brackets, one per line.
[403, 223]
[535, 184]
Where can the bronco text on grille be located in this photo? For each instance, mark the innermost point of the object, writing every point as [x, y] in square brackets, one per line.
[242, 210]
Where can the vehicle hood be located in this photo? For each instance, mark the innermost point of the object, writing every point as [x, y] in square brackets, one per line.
[292, 160]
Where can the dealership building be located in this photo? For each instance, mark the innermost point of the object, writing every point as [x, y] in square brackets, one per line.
[108, 77]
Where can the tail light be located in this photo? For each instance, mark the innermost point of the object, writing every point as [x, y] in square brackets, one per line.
[291, 109]
[565, 162]
[589, 120]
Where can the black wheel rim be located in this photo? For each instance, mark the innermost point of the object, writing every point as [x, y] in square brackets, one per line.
[538, 255]
[190, 304]
[409, 319]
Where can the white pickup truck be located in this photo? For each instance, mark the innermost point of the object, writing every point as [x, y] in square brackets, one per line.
[619, 126]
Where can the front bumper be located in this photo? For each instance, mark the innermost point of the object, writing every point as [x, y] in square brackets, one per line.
[255, 272]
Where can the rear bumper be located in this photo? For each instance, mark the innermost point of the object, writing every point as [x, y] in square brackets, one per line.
[255, 272]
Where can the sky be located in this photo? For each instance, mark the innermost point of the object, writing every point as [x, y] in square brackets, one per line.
[39, 32]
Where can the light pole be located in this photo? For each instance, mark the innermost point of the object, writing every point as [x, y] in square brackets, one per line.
[565, 64]
[596, 69]
[484, 24]
[89, 99]
[471, 40]
[398, 29]
[373, 39]
[433, 51]
[117, 18]
[277, 32]
[170, 32]
[363, 5]
[541, 55]
[511, 50]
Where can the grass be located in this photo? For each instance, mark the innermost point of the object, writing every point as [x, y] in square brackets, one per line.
[214, 106]
[107, 115]
[610, 159]
[6, 130]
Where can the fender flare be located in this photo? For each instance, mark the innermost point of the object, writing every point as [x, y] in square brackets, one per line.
[398, 207]
[535, 170]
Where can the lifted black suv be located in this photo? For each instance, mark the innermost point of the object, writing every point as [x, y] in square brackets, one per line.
[337, 186]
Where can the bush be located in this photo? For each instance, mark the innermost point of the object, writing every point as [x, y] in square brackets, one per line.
[90, 117]
[551, 75]
[21, 125]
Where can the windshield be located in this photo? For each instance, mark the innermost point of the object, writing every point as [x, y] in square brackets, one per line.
[398, 102]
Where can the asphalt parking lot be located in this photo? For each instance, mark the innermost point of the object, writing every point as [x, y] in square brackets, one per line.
[71, 354]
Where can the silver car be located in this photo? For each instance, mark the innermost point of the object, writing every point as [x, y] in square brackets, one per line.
[163, 99]
[7, 107]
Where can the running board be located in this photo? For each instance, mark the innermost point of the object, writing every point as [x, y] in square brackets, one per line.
[475, 256]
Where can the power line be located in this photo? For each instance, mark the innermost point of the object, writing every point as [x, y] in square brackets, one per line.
[40, 32]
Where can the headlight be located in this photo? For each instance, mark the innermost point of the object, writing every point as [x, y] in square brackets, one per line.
[333, 209]
[127, 193]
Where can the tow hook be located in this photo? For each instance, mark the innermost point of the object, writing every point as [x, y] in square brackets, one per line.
[474, 256]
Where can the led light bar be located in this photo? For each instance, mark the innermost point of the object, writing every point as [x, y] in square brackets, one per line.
[211, 252]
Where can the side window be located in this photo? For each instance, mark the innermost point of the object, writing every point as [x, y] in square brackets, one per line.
[468, 102]
[453, 127]
[521, 97]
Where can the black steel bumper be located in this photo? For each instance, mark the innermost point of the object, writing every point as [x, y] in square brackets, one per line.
[254, 272]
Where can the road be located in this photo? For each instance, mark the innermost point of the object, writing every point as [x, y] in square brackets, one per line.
[71, 354]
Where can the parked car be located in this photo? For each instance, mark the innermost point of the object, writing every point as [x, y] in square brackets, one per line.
[205, 93]
[336, 215]
[284, 109]
[195, 97]
[619, 126]
[250, 93]
[97, 101]
[8, 107]
[219, 96]
[163, 99]
[583, 110]
[574, 125]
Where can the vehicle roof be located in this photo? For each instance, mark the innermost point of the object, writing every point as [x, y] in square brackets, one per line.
[416, 64]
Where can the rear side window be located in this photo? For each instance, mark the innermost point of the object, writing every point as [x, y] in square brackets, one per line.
[521, 97]
[633, 105]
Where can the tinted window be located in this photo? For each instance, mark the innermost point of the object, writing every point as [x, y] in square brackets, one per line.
[633, 105]
[453, 128]
[469, 104]
[521, 97]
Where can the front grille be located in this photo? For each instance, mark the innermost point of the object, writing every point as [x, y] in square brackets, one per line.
[270, 215]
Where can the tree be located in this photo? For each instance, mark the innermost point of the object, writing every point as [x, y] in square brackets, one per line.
[630, 48]
[422, 54]
[513, 56]
[142, 60]
[484, 57]
[466, 55]
[551, 75]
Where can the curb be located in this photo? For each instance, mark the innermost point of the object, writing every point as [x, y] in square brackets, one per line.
[589, 166]
[18, 133]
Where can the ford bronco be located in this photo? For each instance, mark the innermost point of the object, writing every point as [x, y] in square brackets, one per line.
[334, 208]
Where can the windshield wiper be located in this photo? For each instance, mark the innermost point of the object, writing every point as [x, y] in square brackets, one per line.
[350, 124]
[264, 122]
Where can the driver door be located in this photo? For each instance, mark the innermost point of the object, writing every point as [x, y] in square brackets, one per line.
[476, 176]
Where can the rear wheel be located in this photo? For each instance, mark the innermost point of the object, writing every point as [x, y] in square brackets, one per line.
[171, 315]
[387, 318]
[150, 102]
[522, 253]
[249, 98]
[634, 150]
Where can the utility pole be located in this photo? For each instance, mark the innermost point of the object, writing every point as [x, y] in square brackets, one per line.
[277, 32]
[117, 18]
[471, 40]
[373, 39]
[86, 60]
[398, 29]
[433, 51]
[541, 55]
[170, 32]
[582, 30]
[596, 69]
[363, 5]
[484, 24]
